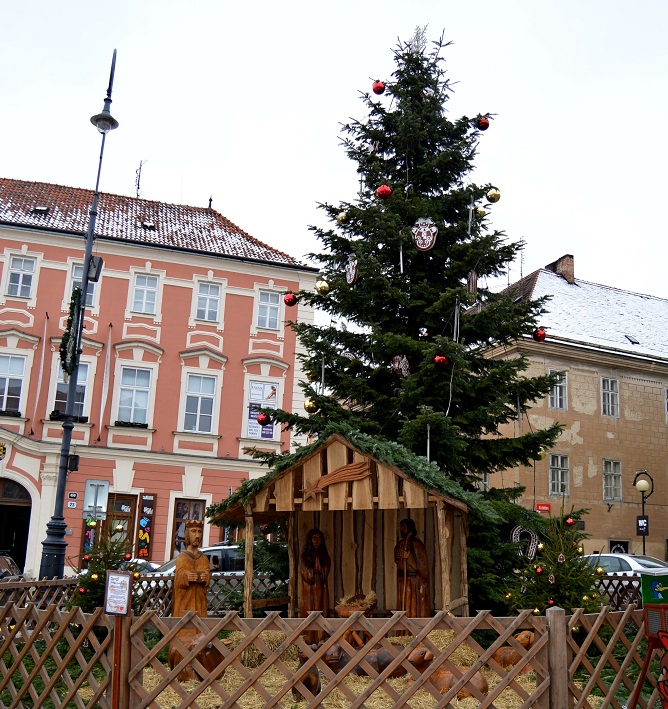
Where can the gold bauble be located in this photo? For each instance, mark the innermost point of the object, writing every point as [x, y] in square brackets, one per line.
[509, 596]
[342, 218]
[93, 524]
[600, 570]
[94, 577]
[322, 287]
[594, 595]
[119, 527]
[481, 212]
[540, 546]
[585, 598]
[136, 575]
[310, 405]
[493, 195]
[580, 550]
[311, 377]
[541, 454]
[536, 611]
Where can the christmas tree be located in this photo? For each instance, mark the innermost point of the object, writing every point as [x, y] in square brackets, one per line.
[111, 551]
[551, 570]
[405, 268]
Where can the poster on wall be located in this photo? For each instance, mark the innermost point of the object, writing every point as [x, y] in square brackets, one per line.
[262, 395]
[145, 526]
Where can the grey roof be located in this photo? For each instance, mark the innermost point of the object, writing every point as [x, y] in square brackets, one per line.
[601, 316]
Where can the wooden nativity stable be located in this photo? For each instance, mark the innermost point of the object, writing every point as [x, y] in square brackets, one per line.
[347, 486]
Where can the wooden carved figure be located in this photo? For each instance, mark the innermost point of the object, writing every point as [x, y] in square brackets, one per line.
[191, 582]
[314, 567]
[410, 557]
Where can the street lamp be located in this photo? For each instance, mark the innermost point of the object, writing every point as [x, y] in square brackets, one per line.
[54, 546]
[642, 485]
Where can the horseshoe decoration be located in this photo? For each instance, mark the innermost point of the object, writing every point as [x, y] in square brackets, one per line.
[515, 535]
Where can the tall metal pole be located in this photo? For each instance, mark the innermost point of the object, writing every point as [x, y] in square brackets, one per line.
[54, 546]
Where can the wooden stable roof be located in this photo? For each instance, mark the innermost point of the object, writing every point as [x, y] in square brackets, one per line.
[338, 473]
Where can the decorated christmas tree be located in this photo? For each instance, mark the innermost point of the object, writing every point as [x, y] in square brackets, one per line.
[405, 273]
[551, 570]
[111, 551]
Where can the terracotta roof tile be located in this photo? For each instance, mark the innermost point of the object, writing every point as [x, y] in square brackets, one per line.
[131, 219]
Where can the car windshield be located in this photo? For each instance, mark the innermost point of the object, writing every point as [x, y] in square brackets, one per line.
[649, 562]
[167, 567]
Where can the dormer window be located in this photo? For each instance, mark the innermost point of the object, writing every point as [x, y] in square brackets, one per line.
[40, 209]
[149, 226]
[632, 339]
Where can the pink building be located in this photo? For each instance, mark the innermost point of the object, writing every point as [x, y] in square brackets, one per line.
[185, 338]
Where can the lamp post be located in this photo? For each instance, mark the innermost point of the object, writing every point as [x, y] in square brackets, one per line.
[643, 482]
[54, 546]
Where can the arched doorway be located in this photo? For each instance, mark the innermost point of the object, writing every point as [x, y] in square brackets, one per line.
[15, 504]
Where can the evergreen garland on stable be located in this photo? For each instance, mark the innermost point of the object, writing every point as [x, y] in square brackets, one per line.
[68, 356]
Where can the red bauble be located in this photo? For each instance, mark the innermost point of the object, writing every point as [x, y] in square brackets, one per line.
[86, 557]
[483, 123]
[539, 334]
[378, 87]
[127, 557]
[441, 361]
[263, 419]
[570, 521]
[539, 570]
[550, 602]
[82, 590]
[384, 192]
[290, 299]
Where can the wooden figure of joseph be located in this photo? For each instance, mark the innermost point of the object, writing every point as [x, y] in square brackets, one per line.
[314, 566]
[412, 572]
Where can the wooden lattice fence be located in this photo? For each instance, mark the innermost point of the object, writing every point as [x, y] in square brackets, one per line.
[53, 658]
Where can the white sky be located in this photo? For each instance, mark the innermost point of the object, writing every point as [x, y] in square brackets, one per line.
[242, 102]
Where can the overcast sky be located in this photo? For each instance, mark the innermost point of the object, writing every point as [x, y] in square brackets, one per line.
[242, 102]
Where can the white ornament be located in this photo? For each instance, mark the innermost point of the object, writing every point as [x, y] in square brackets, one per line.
[424, 233]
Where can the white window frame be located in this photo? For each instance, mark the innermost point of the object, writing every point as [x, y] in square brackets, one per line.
[205, 300]
[127, 365]
[77, 282]
[26, 277]
[83, 377]
[31, 301]
[145, 307]
[268, 309]
[130, 313]
[559, 475]
[610, 397]
[558, 396]
[5, 378]
[612, 480]
[194, 321]
[199, 396]
[280, 320]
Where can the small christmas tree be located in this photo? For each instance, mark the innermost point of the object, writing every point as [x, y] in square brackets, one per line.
[110, 552]
[552, 571]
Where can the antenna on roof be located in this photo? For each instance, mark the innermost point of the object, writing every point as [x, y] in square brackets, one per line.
[138, 176]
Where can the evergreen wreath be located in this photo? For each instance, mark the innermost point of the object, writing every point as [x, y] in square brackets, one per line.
[68, 360]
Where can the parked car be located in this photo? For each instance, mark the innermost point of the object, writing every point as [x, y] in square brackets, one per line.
[141, 565]
[628, 564]
[9, 571]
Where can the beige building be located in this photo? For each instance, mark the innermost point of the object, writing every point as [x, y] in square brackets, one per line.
[612, 347]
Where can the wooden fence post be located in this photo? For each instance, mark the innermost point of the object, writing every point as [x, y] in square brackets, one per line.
[126, 662]
[248, 572]
[557, 653]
